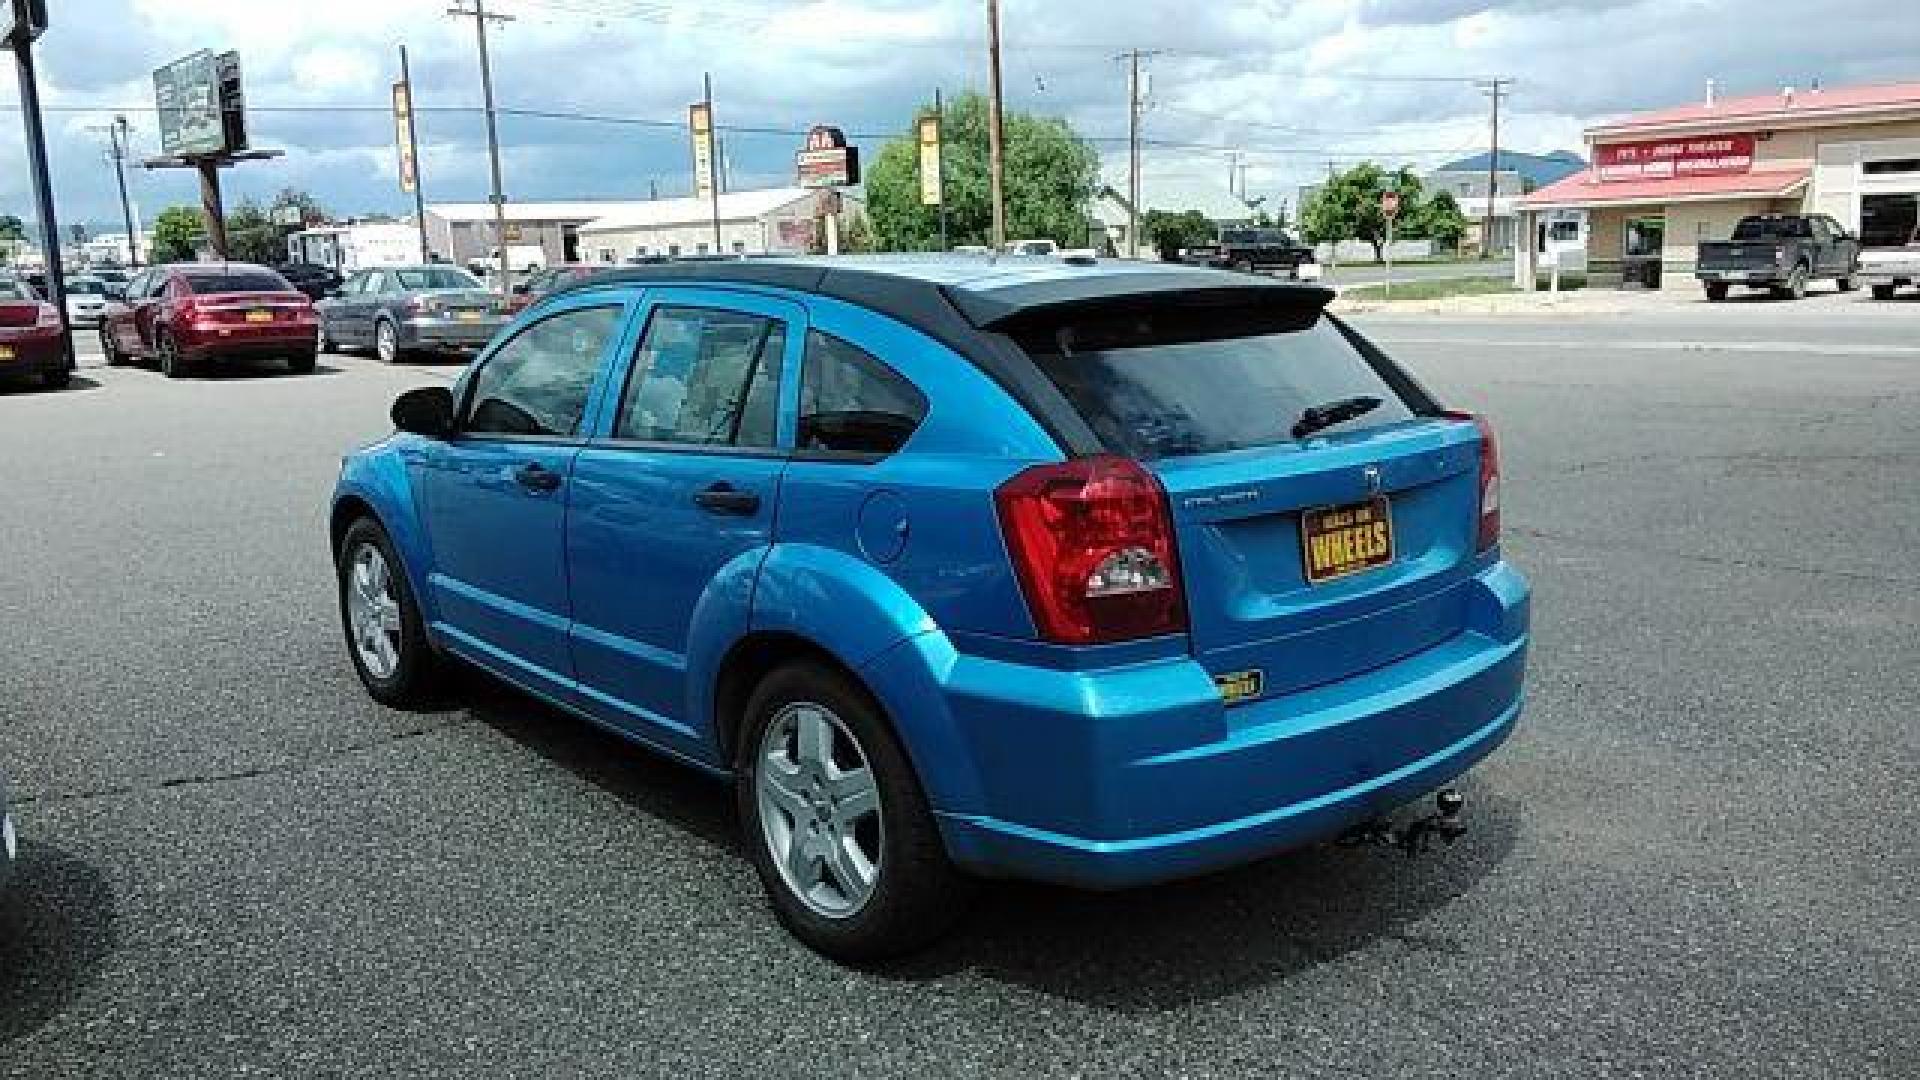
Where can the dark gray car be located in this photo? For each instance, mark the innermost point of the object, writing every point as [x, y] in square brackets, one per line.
[395, 310]
[7, 840]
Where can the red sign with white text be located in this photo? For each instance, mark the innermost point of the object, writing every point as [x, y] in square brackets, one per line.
[1703, 155]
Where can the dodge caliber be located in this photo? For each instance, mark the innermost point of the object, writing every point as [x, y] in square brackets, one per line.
[1094, 574]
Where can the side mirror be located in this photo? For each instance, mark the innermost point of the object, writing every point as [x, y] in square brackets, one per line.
[426, 411]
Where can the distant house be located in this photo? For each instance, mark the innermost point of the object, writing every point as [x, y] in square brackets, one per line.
[1518, 174]
[1167, 194]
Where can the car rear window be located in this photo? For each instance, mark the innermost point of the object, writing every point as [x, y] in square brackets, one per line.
[435, 277]
[237, 281]
[1203, 381]
[1770, 228]
[86, 287]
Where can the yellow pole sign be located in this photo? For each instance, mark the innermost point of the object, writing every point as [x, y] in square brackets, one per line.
[700, 120]
[930, 193]
[403, 134]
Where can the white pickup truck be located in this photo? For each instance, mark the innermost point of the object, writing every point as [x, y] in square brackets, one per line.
[1890, 242]
[1887, 269]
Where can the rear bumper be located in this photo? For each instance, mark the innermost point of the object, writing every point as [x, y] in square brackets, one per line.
[1767, 276]
[1140, 774]
[34, 354]
[241, 341]
[448, 333]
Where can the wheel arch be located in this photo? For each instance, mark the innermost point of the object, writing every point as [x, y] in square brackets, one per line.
[374, 484]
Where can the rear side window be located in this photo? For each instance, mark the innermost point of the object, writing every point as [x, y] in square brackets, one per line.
[237, 281]
[851, 403]
[1181, 382]
[537, 383]
[707, 377]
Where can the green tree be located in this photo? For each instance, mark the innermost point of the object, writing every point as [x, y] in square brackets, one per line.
[1347, 206]
[175, 232]
[310, 209]
[12, 228]
[252, 236]
[1169, 232]
[1439, 219]
[1051, 175]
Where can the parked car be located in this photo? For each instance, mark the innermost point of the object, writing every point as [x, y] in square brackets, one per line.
[86, 301]
[1256, 251]
[185, 316]
[1100, 575]
[398, 310]
[312, 279]
[32, 340]
[542, 282]
[1780, 252]
[1040, 248]
[1890, 242]
[114, 279]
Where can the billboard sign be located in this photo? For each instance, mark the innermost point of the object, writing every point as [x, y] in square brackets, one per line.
[403, 134]
[827, 160]
[1665, 159]
[700, 123]
[22, 21]
[930, 193]
[186, 93]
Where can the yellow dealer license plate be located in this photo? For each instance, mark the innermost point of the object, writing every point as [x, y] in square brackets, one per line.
[6, 352]
[259, 315]
[468, 316]
[1341, 540]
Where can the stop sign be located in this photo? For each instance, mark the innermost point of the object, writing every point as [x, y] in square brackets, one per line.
[1390, 203]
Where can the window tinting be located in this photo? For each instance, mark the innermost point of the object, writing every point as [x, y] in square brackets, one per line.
[1174, 383]
[707, 377]
[1889, 220]
[236, 281]
[853, 403]
[537, 383]
[434, 277]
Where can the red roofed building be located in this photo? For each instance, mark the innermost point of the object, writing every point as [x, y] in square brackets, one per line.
[1663, 181]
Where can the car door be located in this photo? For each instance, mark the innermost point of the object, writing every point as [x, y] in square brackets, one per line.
[337, 310]
[673, 501]
[119, 319]
[496, 494]
[163, 291]
[1846, 248]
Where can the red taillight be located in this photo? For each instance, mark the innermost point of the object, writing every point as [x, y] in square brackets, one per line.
[1489, 531]
[1092, 545]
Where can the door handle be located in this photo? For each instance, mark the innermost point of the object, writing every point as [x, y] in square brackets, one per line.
[537, 477]
[724, 498]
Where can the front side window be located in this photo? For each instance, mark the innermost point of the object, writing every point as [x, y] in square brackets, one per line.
[706, 377]
[537, 383]
[852, 403]
[1889, 220]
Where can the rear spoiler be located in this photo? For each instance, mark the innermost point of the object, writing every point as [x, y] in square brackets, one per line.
[1010, 310]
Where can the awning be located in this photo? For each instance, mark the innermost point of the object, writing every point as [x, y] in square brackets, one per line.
[1584, 189]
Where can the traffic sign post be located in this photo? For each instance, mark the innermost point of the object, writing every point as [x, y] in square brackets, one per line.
[1389, 209]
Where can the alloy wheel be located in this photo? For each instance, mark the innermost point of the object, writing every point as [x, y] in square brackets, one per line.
[385, 343]
[373, 612]
[820, 813]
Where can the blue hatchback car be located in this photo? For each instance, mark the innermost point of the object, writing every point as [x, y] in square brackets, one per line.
[1096, 574]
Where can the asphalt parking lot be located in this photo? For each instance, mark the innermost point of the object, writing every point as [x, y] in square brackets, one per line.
[1696, 857]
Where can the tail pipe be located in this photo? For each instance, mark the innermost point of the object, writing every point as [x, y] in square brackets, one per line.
[1418, 836]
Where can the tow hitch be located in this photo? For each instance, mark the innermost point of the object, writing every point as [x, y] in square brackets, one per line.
[1417, 836]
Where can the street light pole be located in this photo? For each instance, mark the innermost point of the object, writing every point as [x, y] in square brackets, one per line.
[996, 137]
[1133, 155]
[413, 152]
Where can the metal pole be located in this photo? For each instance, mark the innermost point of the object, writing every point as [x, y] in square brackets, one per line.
[1133, 156]
[210, 205]
[117, 132]
[713, 137]
[996, 136]
[1389, 288]
[480, 20]
[413, 150]
[1493, 170]
[42, 186]
[940, 111]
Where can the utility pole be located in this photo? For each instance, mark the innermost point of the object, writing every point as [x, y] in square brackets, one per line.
[996, 135]
[1493, 88]
[1133, 156]
[480, 20]
[20, 38]
[413, 151]
[713, 177]
[121, 143]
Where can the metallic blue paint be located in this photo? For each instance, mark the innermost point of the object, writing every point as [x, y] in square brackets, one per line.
[1104, 766]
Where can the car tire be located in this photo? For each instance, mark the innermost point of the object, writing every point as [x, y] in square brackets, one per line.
[1847, 284]
[386, 342]
[377, 606]
[324, 341]
[302, 363]
[1882, 291]
[173, 364]
[1716, 291]
[108, 352]
[1796, 286]
[800, 809]
[57, 379]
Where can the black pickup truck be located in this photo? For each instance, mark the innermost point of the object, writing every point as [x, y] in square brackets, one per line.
[1780, 252]
[1255, 251]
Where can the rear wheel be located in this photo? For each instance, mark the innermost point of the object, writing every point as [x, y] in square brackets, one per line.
[1716, 291]
[1883, 291]
[57, 378]
[386, 342]
[301, 363]
[838, 828]
[111, 353]
[173, 364]
[386, 635]
[1847, 284]
[324, 341]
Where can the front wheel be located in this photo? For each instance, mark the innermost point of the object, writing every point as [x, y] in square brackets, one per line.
[839, 830]
[386, 342]
[386, 635]
[173, 364]
[325, 342]
[1796, 286]
[1883, 290]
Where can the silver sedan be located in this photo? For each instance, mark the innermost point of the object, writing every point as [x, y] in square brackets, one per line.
[399, 310]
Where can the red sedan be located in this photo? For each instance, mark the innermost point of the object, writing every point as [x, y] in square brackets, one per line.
[187, 315]
[30, 339]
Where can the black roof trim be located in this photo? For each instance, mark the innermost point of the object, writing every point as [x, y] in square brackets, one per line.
[993, 308]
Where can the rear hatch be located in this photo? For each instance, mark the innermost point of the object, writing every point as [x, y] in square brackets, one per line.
[1717, 255]
[1324, 508]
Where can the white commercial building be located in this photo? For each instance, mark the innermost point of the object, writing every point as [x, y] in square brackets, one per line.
[357, 245]
[772, 221]
[538, 233]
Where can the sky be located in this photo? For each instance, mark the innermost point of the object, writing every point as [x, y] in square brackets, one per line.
[1286, 85]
